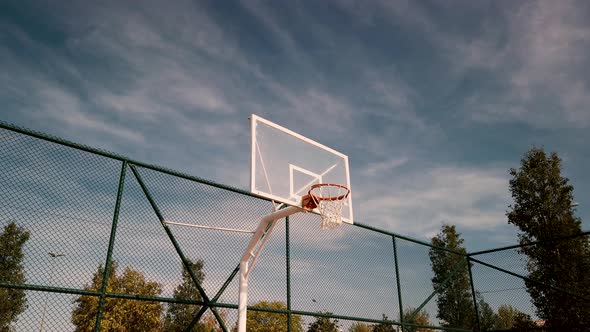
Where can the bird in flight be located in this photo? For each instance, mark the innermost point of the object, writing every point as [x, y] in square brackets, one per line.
[55, 255]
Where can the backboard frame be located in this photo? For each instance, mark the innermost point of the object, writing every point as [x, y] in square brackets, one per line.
[255, 153]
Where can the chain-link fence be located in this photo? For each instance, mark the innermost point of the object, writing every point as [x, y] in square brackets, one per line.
[85, 247]
[510, 281]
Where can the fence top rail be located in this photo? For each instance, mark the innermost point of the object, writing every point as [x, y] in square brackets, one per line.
[108, 154]
[516, 246]
[112, 155]
[407, 238]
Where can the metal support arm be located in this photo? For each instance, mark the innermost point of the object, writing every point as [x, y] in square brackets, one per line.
[252, 251]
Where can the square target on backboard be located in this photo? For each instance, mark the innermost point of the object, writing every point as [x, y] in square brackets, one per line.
[285, 165]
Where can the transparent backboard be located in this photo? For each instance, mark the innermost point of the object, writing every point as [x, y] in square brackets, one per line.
[285, 165]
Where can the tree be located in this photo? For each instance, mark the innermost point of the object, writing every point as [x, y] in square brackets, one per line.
[522, 321]
[324, 324]
[454, 301]
[487, 317]
[505, 317]
[421, 318]
[360, 327]
[12, 301]
[261, 321]
[209, 322]
[508, 317]
[384, 326]
[543, 211]
[179, 315]
[124, 315]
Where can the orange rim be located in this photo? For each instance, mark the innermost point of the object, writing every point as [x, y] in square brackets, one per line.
[328, 198]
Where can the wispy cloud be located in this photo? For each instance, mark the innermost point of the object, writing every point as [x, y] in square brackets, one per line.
[420, 202]
[270, 21]
[536, 67]
[384, 166]
[529, 52]
[397, 100]
[62, 107]
[174, 85]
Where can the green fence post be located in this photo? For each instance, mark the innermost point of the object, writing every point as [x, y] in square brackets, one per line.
[107, 264]
[399, 291]
[478, 326]
[288, 262]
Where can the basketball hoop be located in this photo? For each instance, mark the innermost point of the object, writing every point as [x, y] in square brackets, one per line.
[329, 199]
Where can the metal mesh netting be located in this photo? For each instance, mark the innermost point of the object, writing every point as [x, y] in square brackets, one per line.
[140, 232]
[494, 286]
[503, 278]
[66, 209]
[415, 277]
[46, 312]
[75, 210]
[345, 271]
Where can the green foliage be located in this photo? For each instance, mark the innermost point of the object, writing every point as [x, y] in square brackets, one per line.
[324, 324]
[179, 316]
[505, 317]
[508, 317]
[487, 317]
[455, 304]
[421, 318]
[542, 211]
[122, 315]
[360, 327]
[209, 323]
[384, 327]
[260, 321]
[12, 301]
[522, 321]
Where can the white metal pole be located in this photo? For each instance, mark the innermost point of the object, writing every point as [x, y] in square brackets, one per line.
[243, 298]
[249, 253]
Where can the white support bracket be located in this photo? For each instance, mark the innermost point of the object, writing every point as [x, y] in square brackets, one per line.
[236, 230]
[252, 251]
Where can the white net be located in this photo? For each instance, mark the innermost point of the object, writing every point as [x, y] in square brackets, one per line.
[330, 200]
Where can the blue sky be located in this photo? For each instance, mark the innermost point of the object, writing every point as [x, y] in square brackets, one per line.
[433, 101]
